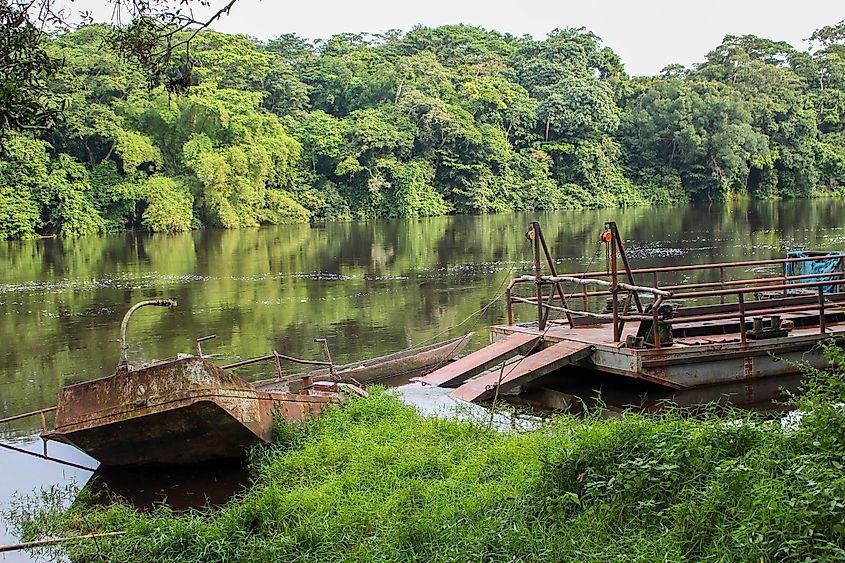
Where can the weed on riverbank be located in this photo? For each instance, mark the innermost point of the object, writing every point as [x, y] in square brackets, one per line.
[375, 482]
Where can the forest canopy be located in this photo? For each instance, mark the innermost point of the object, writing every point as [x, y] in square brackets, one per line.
[454, 119]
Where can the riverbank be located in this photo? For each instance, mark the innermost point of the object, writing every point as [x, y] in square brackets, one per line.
[375, 481]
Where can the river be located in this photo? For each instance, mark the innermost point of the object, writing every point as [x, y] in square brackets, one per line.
[368, 287]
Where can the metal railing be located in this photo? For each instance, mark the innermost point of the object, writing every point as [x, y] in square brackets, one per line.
[277, 358]
[42, 413]
[725, 289]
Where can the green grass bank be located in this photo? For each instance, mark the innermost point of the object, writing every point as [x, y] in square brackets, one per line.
[373, 481]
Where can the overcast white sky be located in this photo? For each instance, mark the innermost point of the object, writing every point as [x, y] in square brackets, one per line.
[647, 34]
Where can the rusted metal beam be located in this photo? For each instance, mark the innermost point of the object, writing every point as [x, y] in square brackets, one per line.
[621, 248]
[589, 281]
[736, 314]
[273, 356]
[715, 265]
[718, 292]
[538, 273]
[553, 270]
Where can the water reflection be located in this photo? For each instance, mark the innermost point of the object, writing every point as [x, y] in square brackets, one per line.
[181, 488]
[580, 389]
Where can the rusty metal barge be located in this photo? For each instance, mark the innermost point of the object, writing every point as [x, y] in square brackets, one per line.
[675, 328]
[187, 410]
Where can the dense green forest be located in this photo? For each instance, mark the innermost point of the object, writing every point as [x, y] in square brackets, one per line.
[454, 119]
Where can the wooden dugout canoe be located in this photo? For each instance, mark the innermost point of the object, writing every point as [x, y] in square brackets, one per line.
[406, 364]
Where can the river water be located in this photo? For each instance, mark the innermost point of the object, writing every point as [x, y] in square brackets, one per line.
[368, 287]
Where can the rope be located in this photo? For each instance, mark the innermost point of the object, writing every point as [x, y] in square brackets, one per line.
[499, 296]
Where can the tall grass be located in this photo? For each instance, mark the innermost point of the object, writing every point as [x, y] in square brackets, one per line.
[375, 482]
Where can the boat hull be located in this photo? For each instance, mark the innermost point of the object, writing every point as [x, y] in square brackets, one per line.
[178, 412]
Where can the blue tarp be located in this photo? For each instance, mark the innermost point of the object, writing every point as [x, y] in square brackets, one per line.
[821, 266]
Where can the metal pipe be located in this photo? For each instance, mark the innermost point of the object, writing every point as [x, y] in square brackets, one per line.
[736, 314]
[719, 264]
[624, 256]
[552, 269]
[742, 334]
[328, 354]
[170, 303]
[518, 281]
[273, 356]
[538, 273]
[614, 288]
[202, 339]
[509, 298]
[588, 281]
[45, 456]
[752, 281]
[27, 414]
[604, 316]
[783, 273]
[822, 321]
[278, 365]
[717, 292]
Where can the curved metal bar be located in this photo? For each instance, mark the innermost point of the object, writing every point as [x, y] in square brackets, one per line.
[124, 362]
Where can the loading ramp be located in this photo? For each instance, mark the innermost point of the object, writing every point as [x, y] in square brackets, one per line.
[519, 373]
[455, 373]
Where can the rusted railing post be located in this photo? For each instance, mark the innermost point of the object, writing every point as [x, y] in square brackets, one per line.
[785, 280]
[43, 432]
[722, 282]
[742, 334]
[614, 289]
[44, 438]
[822, 320]
[509, 297]
[656, 321]
[202, 339]
[278, 365]
[538, 274]
[538, 232]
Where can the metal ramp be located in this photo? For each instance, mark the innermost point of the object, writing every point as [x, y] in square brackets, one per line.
[526, 370]
[452, 375]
